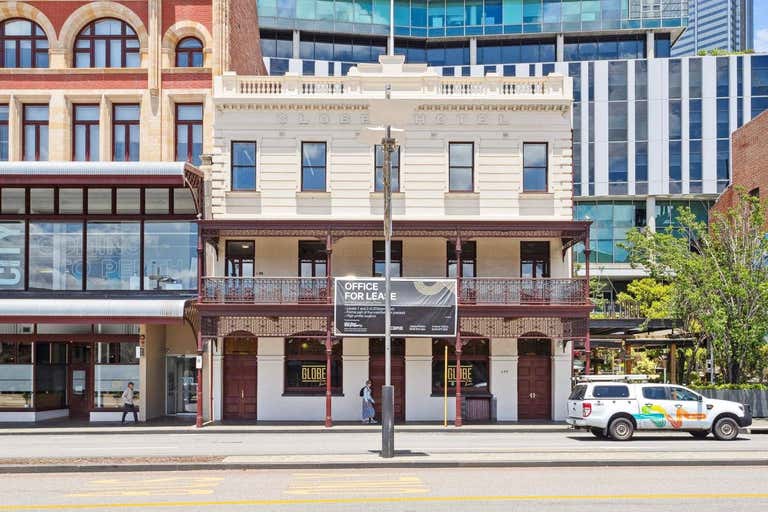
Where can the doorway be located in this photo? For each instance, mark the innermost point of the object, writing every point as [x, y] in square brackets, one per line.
[376, 370]
[80, 379]
[240, 372]
[534, 379]
[181, 385]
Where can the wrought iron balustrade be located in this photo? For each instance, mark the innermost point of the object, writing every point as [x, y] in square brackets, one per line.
[514, 291]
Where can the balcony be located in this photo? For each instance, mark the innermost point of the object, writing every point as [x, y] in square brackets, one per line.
[473, 292]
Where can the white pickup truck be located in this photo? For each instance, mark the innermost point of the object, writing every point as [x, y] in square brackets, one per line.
[615, 409]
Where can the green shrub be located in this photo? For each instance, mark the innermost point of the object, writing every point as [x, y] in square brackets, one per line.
[735, 387]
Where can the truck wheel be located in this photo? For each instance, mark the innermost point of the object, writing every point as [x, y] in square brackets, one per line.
[621, 429]
[700, 434]
[726, 429]
[597, 432]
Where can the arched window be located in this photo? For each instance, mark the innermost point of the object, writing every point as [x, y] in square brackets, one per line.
[107, 43]
[24, 44]
[189, 53]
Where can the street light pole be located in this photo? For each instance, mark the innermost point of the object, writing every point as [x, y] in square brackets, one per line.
[387, 391]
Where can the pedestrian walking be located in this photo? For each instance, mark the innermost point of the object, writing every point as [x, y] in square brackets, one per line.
[368, 411]
[128, 405]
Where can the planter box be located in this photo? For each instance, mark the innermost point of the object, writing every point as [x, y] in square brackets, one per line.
[756, 398]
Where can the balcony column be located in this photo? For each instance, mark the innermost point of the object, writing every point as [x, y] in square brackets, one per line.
[458, 421]
[328, 343]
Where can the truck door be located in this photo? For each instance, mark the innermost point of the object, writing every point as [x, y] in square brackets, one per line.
[686, 409]
[653, 408]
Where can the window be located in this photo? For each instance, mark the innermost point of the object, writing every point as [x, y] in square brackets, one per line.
[16, 375]
[474, 366]
[116, 366]
[113, 256]
[683, 394]
[534, 259]
[85, 133]
[396, 263]
[24, 45]
[468, 258]
[239, 256]
[313, 259]
[313, 166]
[55, 255]
[534, 167]
[611, 221]
[305, 366]
[243, 166]
[35, 132]
[610, 392]
[189, 132]
[3, 133]
[461, 166]
[107, 43]
[578, 392]
[189, 53]
[125, 136]
[655, 393]
[378, 185]
[170, 256]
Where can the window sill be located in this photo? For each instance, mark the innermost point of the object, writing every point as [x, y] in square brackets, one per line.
[532, 194]
[244, 193]
[319, 194]
[381, 195]
[461, 194]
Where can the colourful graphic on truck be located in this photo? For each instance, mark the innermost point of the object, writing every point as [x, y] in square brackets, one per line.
[657, 415]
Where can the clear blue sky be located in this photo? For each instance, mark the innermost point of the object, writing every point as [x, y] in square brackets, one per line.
[761, 26]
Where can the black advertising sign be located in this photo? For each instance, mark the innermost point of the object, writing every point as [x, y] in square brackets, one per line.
[420, 307]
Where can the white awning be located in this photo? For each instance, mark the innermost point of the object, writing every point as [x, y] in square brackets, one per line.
[97, 310]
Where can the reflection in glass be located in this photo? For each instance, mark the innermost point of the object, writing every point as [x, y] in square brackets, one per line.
[113, 256]
[12, 252]
[170, 256]
[313, 166]
[55, 256]
[110, 380]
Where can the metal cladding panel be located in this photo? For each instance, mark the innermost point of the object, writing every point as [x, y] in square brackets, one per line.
[93, 308]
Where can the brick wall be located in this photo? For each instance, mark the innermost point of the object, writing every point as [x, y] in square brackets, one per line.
[196, 10]
[750, 162]
[244, 47]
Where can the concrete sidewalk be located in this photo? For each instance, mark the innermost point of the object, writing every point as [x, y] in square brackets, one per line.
[759, 426]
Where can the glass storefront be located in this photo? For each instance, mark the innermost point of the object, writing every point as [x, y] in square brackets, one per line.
[56, 254]
[16, 374]
[170, 256]
[116, 366]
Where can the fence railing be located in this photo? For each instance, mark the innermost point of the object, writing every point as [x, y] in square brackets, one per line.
[473, 291]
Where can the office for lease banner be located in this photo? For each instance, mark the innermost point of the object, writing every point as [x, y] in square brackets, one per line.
[420, 307]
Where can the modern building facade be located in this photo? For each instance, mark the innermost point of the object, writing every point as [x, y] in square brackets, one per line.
[651, 133]
[717, 25]
[104, 112]
[482, 193]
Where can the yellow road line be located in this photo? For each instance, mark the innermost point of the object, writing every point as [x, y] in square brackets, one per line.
[408, 499]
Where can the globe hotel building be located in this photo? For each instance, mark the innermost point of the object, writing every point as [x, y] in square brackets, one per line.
[651, 132]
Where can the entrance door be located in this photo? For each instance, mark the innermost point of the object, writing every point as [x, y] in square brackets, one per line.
[181, 385]
[376, 374]
[80, 388]
[534, 380]
[240, 366]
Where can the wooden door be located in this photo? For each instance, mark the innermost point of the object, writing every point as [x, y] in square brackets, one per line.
[80, 380]
[376, 374]
[240, 387]
[534, 388]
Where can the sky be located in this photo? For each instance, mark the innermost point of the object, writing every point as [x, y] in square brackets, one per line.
[761, 26]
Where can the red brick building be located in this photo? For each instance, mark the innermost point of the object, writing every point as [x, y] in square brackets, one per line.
[750, 163]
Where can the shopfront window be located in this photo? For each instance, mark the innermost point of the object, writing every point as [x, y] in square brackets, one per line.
[305, 366]
[50, 375]
[12, 250]
[474, 366]
[16, 375]
[113, 256]
[170, 256]
[117, 365]
[55, 256]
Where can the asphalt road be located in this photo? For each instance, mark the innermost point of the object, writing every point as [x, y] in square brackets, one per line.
[221, 444]
[436, 490]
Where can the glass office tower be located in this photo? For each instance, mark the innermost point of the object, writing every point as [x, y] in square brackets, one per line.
[717, 24]
[651, 132]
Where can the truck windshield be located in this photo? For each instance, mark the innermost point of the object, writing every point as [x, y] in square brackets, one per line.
[578, 392]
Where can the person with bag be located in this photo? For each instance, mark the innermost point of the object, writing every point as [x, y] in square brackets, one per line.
[368, 410]
[128, 406]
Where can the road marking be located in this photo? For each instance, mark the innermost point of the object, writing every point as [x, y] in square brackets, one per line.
[167, 486]
[403, 499]
[354, 484]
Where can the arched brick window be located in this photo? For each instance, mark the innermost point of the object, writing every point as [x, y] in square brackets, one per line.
[107, 43]
[189, 53]
[24, 44]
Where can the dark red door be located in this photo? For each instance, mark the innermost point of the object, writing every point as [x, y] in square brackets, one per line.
[240, 372]
[80, 387]
[376, 373]
[534, 388]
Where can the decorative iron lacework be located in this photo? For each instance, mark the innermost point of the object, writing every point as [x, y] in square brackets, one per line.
[493, 327]
[278, 327]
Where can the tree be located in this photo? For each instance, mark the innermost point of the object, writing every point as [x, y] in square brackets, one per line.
[719, 278]
[650, 298]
